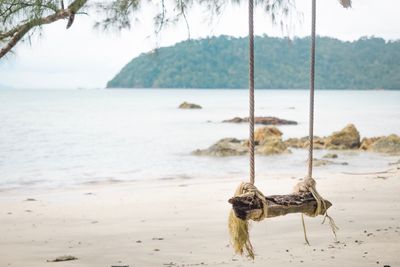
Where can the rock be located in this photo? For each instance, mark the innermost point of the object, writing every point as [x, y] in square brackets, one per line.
[268, 140]
[63, 258]
[319, 142]
[296, 142]
[387, 144]
[347, 138]
[263, 120]
[272, 146]
[330, 156]
[186, 105]
[237, 120]
[224, 147]
[383, 144]
[323, 162]
[366, 143]
[395, 163]
[263, 133]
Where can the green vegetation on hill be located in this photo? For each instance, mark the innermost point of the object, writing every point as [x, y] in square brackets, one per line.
[222, 62]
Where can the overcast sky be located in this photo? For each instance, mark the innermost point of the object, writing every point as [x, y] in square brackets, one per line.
[83, 57]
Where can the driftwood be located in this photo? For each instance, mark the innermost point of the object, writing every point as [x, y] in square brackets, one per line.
[278, 205]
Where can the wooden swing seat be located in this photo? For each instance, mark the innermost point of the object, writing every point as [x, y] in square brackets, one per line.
[278, 205]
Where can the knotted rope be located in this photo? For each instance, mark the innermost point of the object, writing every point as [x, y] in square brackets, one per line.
[238, 228]
[309, 184]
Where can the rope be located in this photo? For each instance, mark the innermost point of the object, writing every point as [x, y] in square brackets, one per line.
[238, 228]
[312, 81]
[251, 93]
[304, 229]
[309, 184]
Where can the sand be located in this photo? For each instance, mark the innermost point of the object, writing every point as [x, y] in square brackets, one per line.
[183, 222]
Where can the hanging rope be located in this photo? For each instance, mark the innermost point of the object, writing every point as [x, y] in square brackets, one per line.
[312, 81]
[309, 184]
[238, 228]
[251, 92]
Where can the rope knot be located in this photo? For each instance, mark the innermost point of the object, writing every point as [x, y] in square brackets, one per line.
[307, 185]
[238, 228]
[250, 190]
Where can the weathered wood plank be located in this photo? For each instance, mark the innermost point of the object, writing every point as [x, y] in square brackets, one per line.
[278, 205]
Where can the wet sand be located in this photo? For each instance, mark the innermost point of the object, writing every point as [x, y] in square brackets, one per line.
[183, 222]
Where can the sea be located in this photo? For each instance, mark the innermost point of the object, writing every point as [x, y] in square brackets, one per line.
[69, 138]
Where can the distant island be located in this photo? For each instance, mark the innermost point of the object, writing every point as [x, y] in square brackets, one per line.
[281, 63]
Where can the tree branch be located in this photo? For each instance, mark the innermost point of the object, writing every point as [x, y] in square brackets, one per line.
[21, 30]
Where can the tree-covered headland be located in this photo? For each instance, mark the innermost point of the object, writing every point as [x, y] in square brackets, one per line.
[280, 63]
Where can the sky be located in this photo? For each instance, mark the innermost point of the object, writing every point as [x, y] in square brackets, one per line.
[82, 57]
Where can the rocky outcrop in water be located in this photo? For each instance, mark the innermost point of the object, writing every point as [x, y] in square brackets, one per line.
[223, 148]
[330, 156]
[383, 144]
[324, 162]
[187, 105]
[319, 142]
[347, 138]
[268, 141]
[263, 121]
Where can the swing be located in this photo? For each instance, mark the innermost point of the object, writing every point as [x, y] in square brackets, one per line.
[248, 202]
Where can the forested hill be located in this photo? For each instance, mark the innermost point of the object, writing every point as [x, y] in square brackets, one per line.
[221, 62]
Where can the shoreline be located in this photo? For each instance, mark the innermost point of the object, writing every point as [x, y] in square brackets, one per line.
[291, 164]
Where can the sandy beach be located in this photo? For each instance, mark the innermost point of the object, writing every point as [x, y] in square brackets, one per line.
[183, 222]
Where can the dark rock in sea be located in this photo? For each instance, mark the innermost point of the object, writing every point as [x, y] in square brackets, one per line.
[187, 105]
[263, 121]
[268, 140]
[323, 162]
[330, 156]
[395, 163]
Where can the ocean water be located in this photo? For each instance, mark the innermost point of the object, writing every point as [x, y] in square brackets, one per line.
[62, 138]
